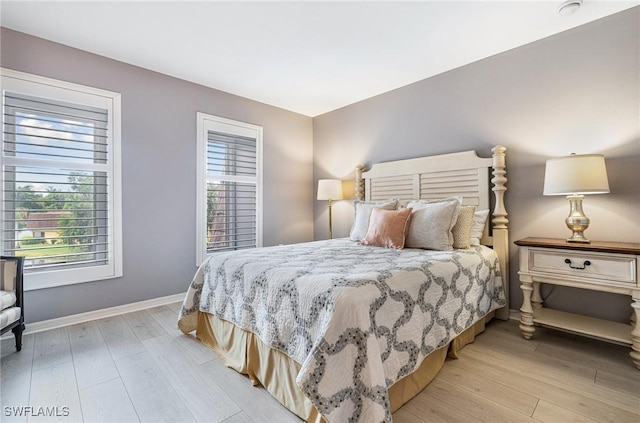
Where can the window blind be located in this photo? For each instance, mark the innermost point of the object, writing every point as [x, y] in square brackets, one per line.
[231, 168]
[56, 182]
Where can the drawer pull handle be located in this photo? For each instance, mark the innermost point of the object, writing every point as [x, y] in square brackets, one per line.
[584, 264]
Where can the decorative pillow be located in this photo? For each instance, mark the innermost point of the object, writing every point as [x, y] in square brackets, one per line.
[431, 224]
[479, 221]
[363, 211]
[388, 228]
[462, 229]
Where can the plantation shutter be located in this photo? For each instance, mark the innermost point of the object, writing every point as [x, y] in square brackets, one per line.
[231, 173]
[56, 175]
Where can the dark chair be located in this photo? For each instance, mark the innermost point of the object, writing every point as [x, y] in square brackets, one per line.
[12, 297]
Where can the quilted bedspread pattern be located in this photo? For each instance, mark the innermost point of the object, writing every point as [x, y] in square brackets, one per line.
[356, 318]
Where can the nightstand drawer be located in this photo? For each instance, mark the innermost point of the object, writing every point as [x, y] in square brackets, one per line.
[608, 267]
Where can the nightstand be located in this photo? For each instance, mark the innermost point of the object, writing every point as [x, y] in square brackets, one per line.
[599, 266]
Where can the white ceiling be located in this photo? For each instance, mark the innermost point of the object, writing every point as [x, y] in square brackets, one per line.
[308, 57]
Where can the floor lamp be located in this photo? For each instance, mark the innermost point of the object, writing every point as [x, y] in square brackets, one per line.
[330, 189]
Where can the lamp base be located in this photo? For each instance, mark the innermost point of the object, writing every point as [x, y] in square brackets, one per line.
[578, 237]
[577, 222]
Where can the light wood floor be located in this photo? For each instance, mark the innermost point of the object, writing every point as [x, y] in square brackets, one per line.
[139, 367]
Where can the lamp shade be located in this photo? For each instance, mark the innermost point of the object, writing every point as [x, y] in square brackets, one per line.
[329, 189]
[576, 174]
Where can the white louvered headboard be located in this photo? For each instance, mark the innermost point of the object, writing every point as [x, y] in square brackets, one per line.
[448, 175]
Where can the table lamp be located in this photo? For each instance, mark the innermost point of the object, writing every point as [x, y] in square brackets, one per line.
[574, 176]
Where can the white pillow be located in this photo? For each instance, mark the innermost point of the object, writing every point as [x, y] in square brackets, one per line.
[363, 212]
[431, 223]
[479, 221]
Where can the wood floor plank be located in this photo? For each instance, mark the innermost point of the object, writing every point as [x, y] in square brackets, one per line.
[143, 325]
[197, 351]
[206, 400]
[150, 391]
[403, 415]
[255, 401]
[610, 357]
[559, 367]
[604, 350]
[240, 417]
[614, 370]
[119, 337]
[15, 377]
[566, 374]
[423, 408]
[552, 391]
[168, 319]
[107, 402]
[628, 382]
[51, 347]
[175, 306]
[503, 336]
[472, 404]
[516, 400]
[550, 413]
[54, 389]
[91, 358]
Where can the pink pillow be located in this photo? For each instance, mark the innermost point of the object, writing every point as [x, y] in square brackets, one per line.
[388, 228]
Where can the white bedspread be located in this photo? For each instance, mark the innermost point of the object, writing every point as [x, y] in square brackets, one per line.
[356, 318]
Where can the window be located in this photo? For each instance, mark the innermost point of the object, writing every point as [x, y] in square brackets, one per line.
[60, 180]
[229, 185]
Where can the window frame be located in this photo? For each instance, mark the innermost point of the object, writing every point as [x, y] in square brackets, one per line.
[206, 123]
[56, 90]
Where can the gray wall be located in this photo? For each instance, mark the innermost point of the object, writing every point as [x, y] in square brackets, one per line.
[577, 91]
[159, 175]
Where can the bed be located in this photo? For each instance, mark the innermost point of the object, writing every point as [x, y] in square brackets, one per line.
[344, 330]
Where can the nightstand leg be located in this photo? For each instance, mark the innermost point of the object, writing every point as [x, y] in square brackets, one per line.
[635, 333]
[526, 311]
[536, 299]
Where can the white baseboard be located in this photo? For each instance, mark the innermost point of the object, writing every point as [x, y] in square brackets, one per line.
[97, 314]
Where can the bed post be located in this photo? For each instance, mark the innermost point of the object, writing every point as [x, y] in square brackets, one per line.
[359, 183]
[500, 221]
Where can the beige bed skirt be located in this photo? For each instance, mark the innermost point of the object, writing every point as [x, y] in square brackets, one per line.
[246, 353]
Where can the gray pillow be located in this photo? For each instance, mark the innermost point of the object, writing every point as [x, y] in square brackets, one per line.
[363, 212]
[431, 224]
